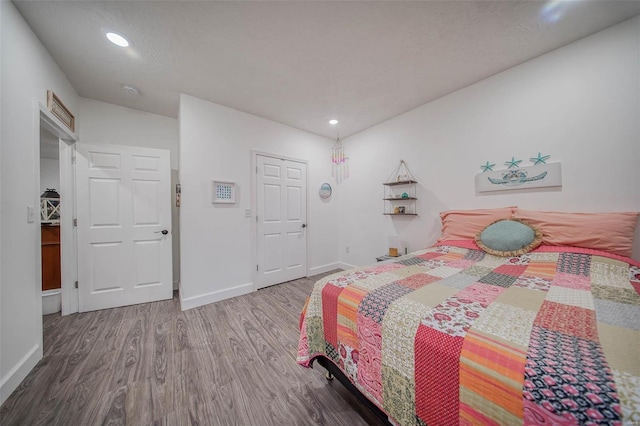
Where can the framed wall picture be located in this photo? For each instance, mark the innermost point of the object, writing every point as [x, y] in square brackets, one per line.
[539, 176]
[57, 108]
[325, 191]
[224, 192]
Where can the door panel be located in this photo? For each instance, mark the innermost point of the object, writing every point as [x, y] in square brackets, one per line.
[104, 160]
[272, 253]
[146, 163]
[294, 201]
[104, 210]
[103, 276]
[282, 210]
[146, 200]
[146, 256]
[294, 255]
[294, 174]
[271, 203]
[123, 204]
[270, 170]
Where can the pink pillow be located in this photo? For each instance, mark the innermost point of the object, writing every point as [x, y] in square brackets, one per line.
[610, 232]
[465, 224]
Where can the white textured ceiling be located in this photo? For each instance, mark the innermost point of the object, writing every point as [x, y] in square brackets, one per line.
[303, 63]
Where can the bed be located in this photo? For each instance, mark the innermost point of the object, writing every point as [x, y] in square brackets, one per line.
[453, 334]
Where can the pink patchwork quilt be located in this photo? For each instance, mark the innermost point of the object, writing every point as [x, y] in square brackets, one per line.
[453, 335]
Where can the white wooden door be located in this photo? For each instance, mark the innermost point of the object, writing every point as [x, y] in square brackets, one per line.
[281, 192]
[123, 203]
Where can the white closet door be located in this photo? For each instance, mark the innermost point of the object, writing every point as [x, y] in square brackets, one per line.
[282, 220]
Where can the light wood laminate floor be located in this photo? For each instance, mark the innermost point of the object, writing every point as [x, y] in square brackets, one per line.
[227, 363]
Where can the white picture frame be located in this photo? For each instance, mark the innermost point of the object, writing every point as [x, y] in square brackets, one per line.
[223, 192]
[325, 191]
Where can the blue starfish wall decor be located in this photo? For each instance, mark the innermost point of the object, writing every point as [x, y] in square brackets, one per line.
[513, 163]
[487, 167]
[540, 159]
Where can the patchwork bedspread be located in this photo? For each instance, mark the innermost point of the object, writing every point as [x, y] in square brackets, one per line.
[453, 335]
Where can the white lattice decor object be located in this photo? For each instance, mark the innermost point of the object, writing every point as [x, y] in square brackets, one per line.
[50, 210]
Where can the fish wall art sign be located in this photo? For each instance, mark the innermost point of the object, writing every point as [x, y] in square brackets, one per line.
[538, 176]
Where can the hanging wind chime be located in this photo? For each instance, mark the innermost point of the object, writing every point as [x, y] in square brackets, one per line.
[340, 163]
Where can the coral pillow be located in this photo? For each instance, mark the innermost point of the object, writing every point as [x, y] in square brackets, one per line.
[610, 232]
[465, 224]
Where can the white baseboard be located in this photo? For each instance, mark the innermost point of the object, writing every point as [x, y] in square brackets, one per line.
[17, 374]
[323, 268]
[346, 266]
[214, 296]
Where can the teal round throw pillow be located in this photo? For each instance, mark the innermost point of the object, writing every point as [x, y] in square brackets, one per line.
[508, 237]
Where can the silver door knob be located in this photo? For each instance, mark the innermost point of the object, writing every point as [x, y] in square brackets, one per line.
[304, 225]
[163, 232]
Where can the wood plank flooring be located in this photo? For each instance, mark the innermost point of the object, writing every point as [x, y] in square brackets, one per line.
[227, 363]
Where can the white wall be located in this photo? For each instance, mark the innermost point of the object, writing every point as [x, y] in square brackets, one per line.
[27, 71]
[216, 143]
[580, 104]
[49, 174]
[105, 123]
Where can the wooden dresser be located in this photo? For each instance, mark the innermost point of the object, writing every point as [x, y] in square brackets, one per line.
[51, 277]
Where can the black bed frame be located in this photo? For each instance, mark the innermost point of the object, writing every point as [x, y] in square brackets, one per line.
[334, 371]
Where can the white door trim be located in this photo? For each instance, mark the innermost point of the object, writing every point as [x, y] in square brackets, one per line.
[68, 260]
[254, 209]
[68, 240]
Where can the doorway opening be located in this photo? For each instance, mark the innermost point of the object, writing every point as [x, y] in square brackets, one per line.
[55, 239]
[50, 222]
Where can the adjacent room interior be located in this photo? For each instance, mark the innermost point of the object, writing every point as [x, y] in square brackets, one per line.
[184, 210]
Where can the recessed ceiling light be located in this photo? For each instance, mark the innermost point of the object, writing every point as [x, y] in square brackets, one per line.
[333, 121]
[554, 10]
[131, 89]
[117, 39]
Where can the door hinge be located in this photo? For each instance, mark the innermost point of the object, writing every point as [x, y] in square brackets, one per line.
[256, 218]
[75, 222]
[256, 169]
[257, 268]
[76, 284]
